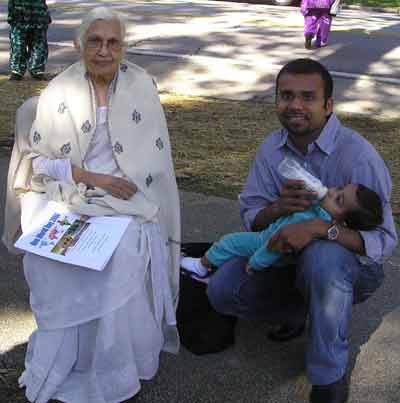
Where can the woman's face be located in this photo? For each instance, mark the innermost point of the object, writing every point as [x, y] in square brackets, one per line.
[103, 49]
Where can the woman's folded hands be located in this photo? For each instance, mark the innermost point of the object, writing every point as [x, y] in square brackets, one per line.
[115, 186]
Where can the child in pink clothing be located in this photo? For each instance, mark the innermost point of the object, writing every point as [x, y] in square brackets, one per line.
[317, 21]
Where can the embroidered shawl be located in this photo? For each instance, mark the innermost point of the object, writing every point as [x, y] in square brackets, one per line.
[64, 125]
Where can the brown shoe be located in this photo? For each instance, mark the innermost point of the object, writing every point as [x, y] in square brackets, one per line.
[336, 392]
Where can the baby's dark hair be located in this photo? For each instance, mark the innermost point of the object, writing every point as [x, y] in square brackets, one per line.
[370, 212]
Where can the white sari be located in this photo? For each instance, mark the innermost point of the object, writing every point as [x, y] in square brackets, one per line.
[99, 333]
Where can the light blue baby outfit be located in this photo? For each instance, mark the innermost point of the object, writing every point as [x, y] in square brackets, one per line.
[253, 244]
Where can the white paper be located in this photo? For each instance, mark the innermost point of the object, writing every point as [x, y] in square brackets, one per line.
[73, 238]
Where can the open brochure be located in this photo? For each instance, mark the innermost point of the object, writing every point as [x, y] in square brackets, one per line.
[73, 238]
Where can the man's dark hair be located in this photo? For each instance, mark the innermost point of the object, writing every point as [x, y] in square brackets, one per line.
[370, 211]
[308, 66]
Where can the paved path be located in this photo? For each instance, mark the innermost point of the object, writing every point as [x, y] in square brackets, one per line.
[234, 50]
[254, 370]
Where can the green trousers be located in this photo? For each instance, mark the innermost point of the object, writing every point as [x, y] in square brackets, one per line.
[28, 49]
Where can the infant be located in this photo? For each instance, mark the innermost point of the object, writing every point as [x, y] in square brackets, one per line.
[354, 205]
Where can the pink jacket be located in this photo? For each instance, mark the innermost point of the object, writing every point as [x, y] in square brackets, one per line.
[307, 5]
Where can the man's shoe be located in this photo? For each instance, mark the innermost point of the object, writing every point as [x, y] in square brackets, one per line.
[337, 392]
[15, 77]
[286, 332]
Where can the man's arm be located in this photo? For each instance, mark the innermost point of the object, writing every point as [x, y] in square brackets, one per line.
[295, 237]
[293, 199]
[263, 200]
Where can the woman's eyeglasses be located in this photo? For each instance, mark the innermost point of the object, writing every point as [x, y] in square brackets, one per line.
[98, 43]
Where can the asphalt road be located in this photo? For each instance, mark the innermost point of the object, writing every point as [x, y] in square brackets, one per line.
[234, 50]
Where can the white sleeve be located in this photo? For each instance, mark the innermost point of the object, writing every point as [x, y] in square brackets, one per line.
[59, 169]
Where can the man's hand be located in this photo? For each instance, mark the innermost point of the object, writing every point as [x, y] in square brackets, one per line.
[117, 187]
[294, 198]
[249, 270]
[292, 238]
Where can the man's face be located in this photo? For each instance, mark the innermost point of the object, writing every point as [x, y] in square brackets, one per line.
[300, 104]
[103, 49]
[339, 201]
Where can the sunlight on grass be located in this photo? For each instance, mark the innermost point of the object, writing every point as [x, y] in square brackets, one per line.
[214, 141]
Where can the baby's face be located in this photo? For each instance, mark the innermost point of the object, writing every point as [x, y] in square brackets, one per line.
[340, 200]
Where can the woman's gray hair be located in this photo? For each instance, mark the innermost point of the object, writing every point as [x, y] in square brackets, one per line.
[99, 13]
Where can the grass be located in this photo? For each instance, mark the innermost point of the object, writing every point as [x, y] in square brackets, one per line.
[374, 3]
[214, 141]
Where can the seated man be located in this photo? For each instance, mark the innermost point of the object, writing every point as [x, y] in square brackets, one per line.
[338, 266]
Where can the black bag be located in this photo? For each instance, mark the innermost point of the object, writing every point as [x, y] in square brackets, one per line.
[201, 328]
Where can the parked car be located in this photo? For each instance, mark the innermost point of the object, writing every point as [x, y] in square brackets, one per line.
[287, 2]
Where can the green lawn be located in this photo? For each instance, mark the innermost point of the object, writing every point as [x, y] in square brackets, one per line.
[374, 3]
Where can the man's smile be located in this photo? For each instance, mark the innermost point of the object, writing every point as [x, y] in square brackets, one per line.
[295, 117]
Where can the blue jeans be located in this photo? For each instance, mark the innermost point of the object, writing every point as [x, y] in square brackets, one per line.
[327, 280]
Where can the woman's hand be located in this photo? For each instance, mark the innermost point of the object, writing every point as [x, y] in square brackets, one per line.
[115, 186]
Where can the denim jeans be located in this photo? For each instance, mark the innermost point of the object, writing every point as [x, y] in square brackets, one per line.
[324, 283]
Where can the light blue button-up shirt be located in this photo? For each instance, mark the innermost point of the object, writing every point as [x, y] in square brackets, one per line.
[339, 156]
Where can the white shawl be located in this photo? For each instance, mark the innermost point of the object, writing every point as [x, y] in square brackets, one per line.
[64, 125]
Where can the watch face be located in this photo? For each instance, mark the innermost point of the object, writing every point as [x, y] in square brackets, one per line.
[333, 233]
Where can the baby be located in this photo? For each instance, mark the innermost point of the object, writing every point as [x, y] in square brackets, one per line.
[355, 206]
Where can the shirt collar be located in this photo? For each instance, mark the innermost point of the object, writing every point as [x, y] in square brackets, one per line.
[283, 138]
[325, 141]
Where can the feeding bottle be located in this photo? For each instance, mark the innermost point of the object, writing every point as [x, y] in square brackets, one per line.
[291, 169]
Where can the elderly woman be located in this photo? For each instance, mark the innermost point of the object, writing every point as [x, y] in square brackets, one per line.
[99, 144]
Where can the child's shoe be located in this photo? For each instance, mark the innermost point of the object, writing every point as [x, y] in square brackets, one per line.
[194, 266]
[307, 43]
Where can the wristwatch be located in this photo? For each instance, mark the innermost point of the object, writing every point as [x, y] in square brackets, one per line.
[333, 232]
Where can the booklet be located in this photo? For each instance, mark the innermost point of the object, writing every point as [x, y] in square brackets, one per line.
[73, 238]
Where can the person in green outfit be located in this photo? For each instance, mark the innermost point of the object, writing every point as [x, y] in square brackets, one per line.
[29, 20]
